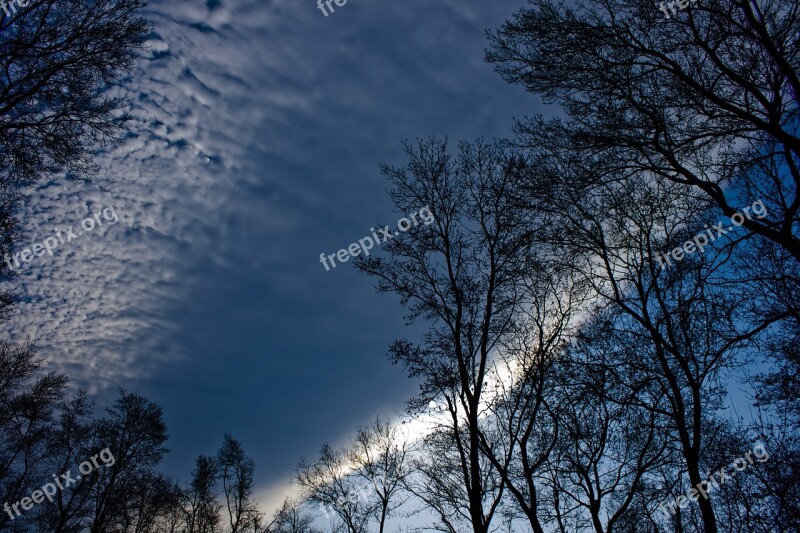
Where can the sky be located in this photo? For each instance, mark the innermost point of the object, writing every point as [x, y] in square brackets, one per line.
[256, 132]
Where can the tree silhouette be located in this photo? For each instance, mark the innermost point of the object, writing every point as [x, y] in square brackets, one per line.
[203, 511]
[462, 273]
[29, 400]
[236, 473]
[709, 99]
[57, 59]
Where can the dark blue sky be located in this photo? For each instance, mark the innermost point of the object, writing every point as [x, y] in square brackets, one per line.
[259, 127]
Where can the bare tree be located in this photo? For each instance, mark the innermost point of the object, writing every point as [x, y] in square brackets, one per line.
[438, 484]
[57, 59]
[69, 443]
[135, 432]
[289, 518]
[329, 484]
[29, 399]
[708, 98]
[615, 232]
[524, 412]
[46, 435]
[381, 458]
[201, 507]
[610, 447]
[461, 274]
[236, 472]
[155, 507]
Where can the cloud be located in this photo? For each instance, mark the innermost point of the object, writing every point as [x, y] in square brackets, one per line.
[256, 133]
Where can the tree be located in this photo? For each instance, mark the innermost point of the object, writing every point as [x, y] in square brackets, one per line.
[615, 233]
[29, 400]
[69, 444]
[58, 57]
[380, 455]
[524, 413]
[708, 99]
[155, 504]
[289, 518]
[134, 432]
[236, 472]
[610, 446]
[437, 481]
[107, 465]
[462, 274]
[328, 484]
[201, 508]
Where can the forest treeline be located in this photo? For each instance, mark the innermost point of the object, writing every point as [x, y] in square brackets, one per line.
[611, 300]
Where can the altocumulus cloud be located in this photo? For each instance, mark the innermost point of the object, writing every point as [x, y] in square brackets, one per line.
[256, 131]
